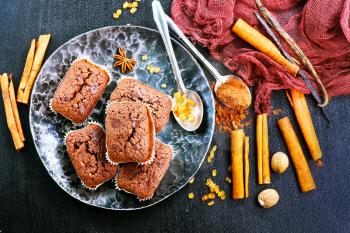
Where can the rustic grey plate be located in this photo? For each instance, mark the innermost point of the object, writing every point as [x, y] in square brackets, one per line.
[48, 129]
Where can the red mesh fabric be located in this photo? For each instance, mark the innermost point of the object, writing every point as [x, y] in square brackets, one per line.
[321, 29]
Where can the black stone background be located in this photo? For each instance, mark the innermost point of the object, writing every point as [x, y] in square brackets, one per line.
[30, 201]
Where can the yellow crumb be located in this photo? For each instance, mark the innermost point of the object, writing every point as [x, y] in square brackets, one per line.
[163, 85]
[144, 58]
[205, 197]
[125, 5]
[210, 203]
[228, 179]
[191, 180]
[213, 172]
[191, 195]
[133, 10]
[211, 195]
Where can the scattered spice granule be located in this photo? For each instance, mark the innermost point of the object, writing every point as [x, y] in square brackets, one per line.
[117, 14]
[163, 85]
[191, 195]
[125, 5]
[210, 203]
[213, 172]
[205, 197]
[228, 179]
[211, 196]
[191, 181]
[133, 10]
[144, 57]
[211, 154]
[153, 69]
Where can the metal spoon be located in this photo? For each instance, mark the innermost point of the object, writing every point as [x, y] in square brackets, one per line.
[162, 24]
[219, 78]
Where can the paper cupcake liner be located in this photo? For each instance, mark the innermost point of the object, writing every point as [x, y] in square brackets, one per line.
[89, 188]
[50, 106]
[108, 159]
[110, 103]
[116, 179]
[145, 199]
[109, 74]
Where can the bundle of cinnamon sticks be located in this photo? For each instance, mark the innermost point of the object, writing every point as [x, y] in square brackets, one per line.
[11, 111]
[31, 69]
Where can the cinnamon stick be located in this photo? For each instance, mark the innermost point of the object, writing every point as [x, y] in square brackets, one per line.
[302, 113]
[302, 169]
[246, 167]
[263, 44]
[259, 147]
[237, 143]
[26, 72]
[14, 108]
[41, 47]
[265, 151]
[9, 112]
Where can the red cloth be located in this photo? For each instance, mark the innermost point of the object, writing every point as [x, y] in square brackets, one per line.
[320, 28]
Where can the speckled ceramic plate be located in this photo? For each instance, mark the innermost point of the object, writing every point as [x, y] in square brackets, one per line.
[99, 45]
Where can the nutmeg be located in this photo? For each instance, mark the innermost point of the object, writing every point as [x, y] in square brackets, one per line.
[279, 162]
[268, 198]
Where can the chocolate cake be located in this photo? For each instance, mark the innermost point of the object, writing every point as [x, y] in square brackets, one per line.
[80, 89]
[160, 104]
[130, 134]
[86, 149]
[143, 180]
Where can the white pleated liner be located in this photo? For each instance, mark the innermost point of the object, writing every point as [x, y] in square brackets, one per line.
[109, 104]
[89, 188]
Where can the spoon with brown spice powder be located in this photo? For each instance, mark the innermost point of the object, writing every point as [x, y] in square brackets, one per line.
[229, 89]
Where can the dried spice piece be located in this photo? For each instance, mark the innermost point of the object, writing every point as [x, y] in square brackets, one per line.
[153, 69]
[210, 203]
[123, 61]
[211, 154]
[191, 195]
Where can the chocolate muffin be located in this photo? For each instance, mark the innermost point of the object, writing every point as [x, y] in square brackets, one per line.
[143, 180]
[80, 89]
[86, 149]
[130, 134]
[160, 104]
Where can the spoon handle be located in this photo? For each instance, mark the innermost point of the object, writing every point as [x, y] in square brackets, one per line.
[162, 24]
[193, 49]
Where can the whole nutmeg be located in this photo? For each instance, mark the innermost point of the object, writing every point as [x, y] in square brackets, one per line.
[268, 198]
[279, 162]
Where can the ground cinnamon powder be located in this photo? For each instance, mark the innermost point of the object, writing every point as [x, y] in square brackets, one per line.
[229, 119]
[233, 93]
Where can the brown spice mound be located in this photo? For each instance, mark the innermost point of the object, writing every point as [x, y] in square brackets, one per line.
[233, 93]
[228, 119]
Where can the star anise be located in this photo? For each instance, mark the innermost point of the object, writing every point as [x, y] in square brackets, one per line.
[123, 61]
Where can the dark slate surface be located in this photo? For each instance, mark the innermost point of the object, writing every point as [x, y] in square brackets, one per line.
[30, 201]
